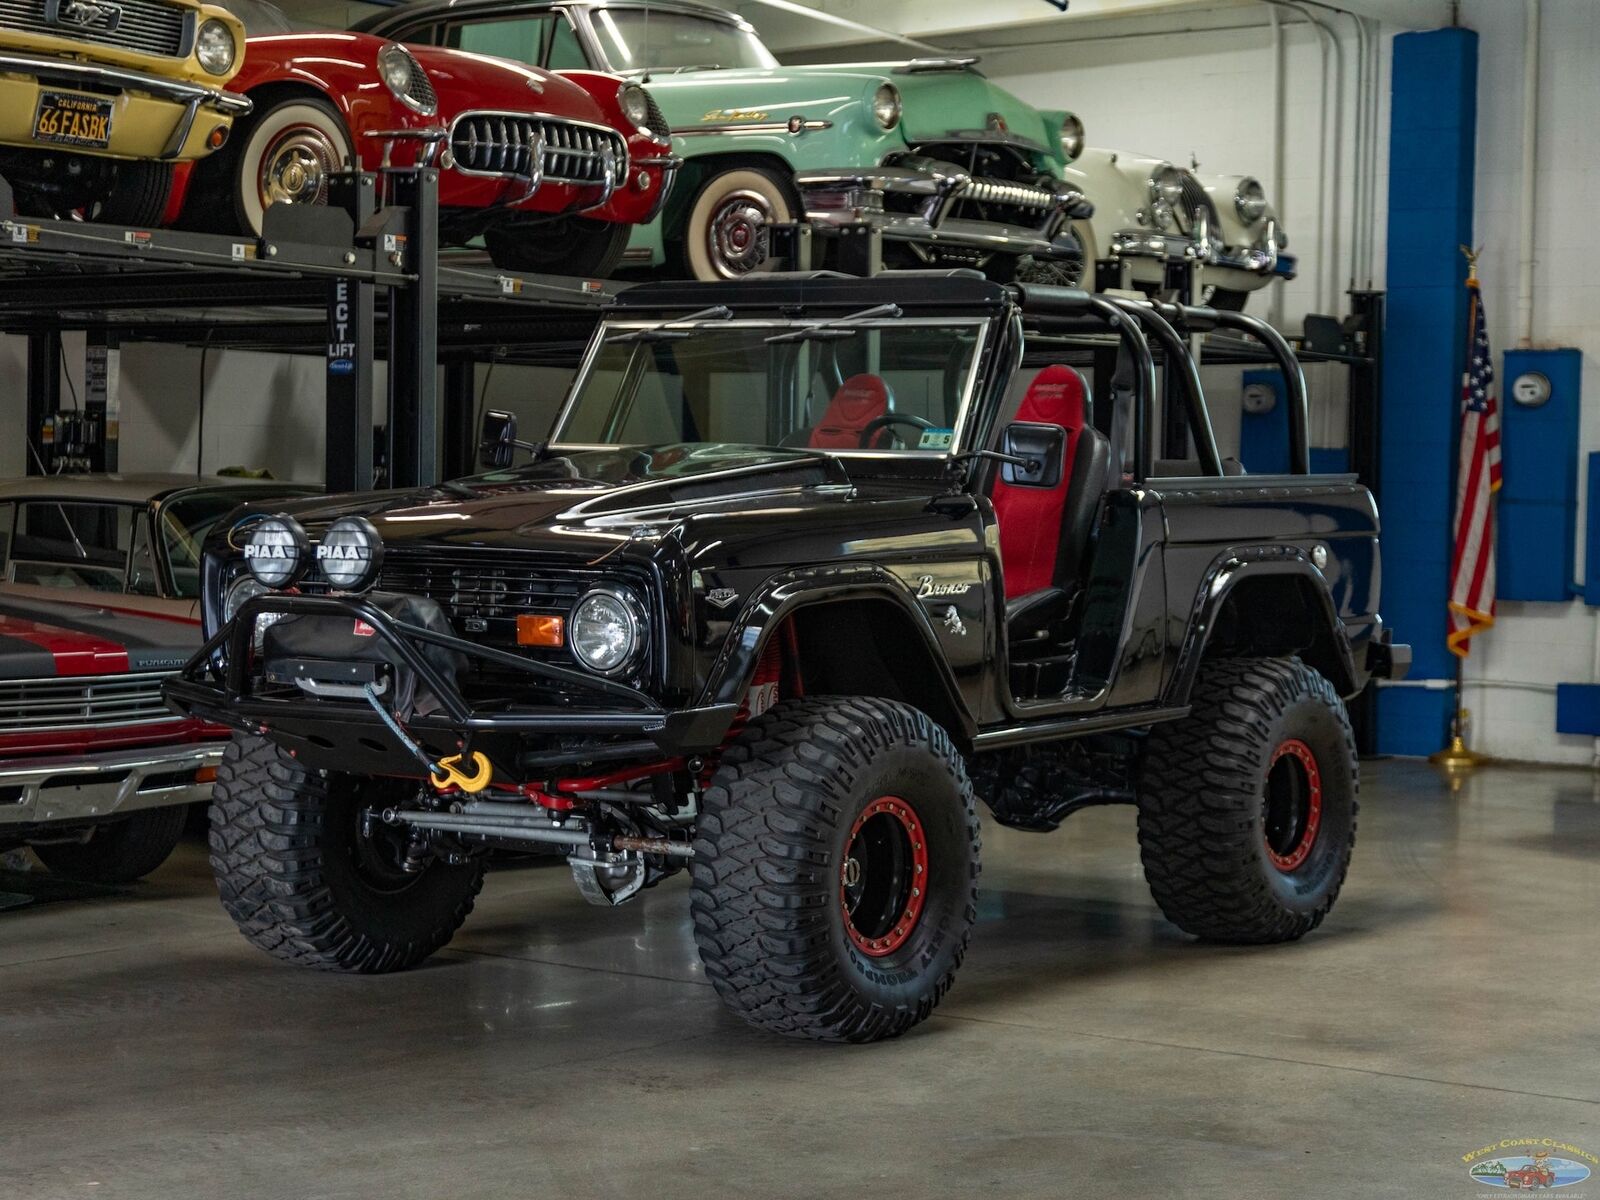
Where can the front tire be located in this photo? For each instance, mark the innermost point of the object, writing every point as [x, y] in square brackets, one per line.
[282, 152]
[727, 233]
[1247, 807]
[303, 884]
[138, 195]
[572, 246]
[822, 818]
[120, 851]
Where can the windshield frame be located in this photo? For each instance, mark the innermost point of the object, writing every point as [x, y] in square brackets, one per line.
[964, 404]
[598, 43]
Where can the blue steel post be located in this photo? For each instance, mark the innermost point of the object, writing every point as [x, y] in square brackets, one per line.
[1432, 137]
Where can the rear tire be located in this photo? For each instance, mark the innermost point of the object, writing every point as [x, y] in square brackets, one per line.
[120, 851]
[575, 246]
[822, 817]
[138, 196]
[302, 884]
[1247, 807]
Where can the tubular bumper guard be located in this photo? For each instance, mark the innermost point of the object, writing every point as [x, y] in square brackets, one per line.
[88, 787]
[217, 685]
[834, 199]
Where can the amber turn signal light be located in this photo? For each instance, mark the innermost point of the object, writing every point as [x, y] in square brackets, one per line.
[216, 137]
[536, 630]
[206, 775]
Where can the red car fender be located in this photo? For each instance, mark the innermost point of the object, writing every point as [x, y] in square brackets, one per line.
[630, 203]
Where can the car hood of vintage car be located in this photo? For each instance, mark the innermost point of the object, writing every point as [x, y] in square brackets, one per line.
[61, 638]
[578, 499]
[937, 105]
[463, 81]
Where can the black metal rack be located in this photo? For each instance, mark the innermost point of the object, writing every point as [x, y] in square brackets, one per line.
[352, 282]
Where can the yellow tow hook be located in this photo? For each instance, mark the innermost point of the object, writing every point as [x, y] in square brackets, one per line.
[445, 773]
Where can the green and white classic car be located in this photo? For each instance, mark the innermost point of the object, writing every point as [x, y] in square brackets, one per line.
[953, 169]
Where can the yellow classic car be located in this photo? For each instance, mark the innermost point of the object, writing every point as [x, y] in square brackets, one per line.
[100, 98]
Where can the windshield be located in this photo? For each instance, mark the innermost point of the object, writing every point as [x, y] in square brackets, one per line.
[877, 385]
[185, 522]
[637, 39]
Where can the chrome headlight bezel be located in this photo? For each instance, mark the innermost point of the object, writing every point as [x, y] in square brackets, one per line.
[886, 106]
[216, 39]
[399, 70]
[285, 533]
[1166, 186]
[1071, 136]
[242, 587]
[634, 102]
[1250, 200]
[350, 533]
[625, 605]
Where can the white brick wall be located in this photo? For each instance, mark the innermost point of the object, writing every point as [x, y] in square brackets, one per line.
[1542, 644]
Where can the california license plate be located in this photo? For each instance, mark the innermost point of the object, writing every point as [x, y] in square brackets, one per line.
[68, 119]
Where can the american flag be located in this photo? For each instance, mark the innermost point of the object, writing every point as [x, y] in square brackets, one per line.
[1477, 480]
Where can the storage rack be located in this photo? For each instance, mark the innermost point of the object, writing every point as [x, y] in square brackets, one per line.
[353, 282]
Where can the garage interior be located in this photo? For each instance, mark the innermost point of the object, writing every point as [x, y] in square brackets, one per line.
[1437, 1020]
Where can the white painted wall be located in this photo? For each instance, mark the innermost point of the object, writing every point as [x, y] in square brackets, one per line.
[1539, 644]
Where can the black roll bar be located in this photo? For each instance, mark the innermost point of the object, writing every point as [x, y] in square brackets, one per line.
[1144, 412]
[1178, 358]
[1200, 319]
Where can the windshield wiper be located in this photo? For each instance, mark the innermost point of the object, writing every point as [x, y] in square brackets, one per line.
[663, 331]
[839, 327]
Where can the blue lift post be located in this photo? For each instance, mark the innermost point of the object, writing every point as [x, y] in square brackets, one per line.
[1432, 138]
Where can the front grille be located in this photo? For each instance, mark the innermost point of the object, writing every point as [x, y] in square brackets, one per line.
[143, 25]
[505, 144]
[488, 590]
[1196, 201]
[95, 701]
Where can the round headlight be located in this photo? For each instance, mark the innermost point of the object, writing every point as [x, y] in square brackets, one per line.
[277, 551]
[350, 553]
[1250, 200]
[1071, 136]
[635, 104]
[246, 587]
[604, 630]
[1166, 186]
[406, 80]
[214, 47]
[886, 106]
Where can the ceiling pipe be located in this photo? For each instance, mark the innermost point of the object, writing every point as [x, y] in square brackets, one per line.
[1275, 310]
[1530, 163]
[1358, 155]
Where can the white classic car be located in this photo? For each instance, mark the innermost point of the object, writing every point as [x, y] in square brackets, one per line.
[1153, 219]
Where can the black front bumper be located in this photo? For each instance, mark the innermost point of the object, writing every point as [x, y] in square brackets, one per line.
[221, 683]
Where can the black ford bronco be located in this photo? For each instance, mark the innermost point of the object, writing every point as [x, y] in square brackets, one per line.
[806, 567]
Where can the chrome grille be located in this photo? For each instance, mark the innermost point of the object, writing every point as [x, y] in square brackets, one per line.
[144, 25]
[1196, 201]
[1000, 191]
[656, 121]
[504, 144]
[95, 701]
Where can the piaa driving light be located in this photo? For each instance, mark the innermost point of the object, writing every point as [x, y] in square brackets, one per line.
[277, 551]
[604, 630]
[350, 554]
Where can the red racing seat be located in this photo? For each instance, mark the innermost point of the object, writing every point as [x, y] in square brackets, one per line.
[860, 400]
[1045, 531]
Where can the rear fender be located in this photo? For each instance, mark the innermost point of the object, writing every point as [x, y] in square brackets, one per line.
[1267, 601]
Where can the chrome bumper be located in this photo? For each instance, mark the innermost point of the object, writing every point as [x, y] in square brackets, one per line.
[1264, 261]
[38, 791]
[180, 91]
[835, 199]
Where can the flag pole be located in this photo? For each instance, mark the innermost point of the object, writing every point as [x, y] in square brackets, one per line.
[1455, 759]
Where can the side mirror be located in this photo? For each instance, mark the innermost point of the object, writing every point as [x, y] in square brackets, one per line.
[1041, 447]
[497, 439]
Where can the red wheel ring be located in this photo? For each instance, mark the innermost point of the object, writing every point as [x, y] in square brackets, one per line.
[900, 855]
[1295, 855]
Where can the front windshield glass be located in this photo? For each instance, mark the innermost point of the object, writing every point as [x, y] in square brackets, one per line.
[880, 386]
[638, 39]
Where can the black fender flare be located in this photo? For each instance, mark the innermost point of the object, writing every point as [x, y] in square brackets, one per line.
[1236, 565]
[786, 593]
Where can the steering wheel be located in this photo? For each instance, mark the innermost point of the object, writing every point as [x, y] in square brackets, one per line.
[870, 430]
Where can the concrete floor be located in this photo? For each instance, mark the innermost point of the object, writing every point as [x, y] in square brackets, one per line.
[1087, 1048]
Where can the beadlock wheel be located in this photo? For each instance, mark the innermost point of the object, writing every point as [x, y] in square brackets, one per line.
[885, 876]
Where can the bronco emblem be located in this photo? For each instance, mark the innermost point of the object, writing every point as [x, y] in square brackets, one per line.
[927, 587]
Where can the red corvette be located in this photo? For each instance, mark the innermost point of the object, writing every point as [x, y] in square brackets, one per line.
[551, 170]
